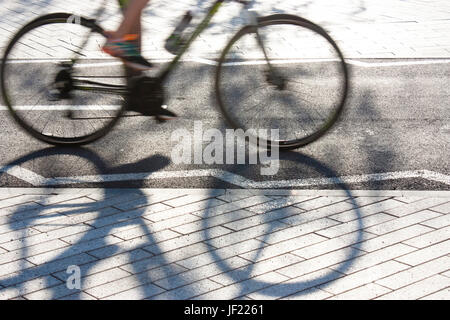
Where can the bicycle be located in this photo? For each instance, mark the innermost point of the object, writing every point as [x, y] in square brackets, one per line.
[263, 79]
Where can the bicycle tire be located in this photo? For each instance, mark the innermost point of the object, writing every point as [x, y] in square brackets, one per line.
[279, 19]
[45, 21]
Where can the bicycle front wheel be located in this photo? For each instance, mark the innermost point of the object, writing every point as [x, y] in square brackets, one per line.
[53, 99]
[296, 85]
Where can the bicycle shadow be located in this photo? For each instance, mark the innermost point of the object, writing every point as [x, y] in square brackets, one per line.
[93, 245]
[274, 228]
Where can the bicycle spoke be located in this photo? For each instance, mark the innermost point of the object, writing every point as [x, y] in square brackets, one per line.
[86, 92]
[301, 98]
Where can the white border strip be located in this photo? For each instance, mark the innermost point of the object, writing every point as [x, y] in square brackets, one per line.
[234, 179]
[13, 192]
[365, 64]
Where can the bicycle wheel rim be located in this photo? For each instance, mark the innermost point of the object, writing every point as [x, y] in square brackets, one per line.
[30, 106]
[235, 116]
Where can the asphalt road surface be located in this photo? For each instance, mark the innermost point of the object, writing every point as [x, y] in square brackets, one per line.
[394, 134]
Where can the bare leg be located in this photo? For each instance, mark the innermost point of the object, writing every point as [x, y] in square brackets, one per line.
[131, 22]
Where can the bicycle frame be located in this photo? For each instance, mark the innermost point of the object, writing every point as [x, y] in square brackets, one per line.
[162, 76]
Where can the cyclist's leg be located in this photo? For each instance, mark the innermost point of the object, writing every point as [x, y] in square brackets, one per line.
[136, 29]
[131, 23]
[125, 43]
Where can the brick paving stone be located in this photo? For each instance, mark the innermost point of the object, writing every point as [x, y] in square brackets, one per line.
[440, 295]
[326, 211]
[402, 222]
[367, 210]
[262, 218]
[189, 291]
[38, 271]
[233, 206]
[261, 267]
[333, 244]
[364, 277]
[278, 203]
[309, 294]
[187, 199]
[145, 201]
[192, 238]
[33, 238]
[94, 265]
[364, 201]
[78, 296]
[297, 230]
[63, 290]
[415, 274]
[319, 202]
[320, 262]
[189, 208]
[393, 238]
[235, 195]
[28, 287]
[166, 258]
[32, 251]
[270, 251]
[207, 271]
[415, 206]
[377, 257]
[104, 220]
[141, 232]
[353, 225]
[365, 292]
[119, 248]
[298, 287]
[443, 208]
[408, 199]
[200, 224]
[438, 222]
[72, 250]
[243, 288]
[17, 212]
[216, 255]
[117, 286]
[426, 254]
[430, 238]
[95, 233]
[19, 200]
[419, 289]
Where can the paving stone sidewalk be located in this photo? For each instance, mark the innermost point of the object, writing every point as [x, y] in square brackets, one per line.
[363, 28]
[224, 244]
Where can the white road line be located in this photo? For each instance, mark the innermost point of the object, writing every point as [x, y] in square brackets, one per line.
[210, 62]
[63, 108]
[235, 179]
[396, 63]
[24, 175]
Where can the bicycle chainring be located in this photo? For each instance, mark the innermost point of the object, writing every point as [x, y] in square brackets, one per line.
[146, 94]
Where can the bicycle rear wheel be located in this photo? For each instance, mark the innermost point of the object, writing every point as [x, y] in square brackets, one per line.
[300, 93]
[55, 103]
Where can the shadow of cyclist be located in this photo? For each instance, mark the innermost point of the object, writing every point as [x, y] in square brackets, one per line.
[93, 223]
